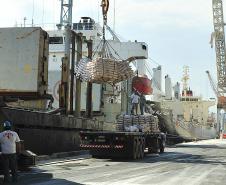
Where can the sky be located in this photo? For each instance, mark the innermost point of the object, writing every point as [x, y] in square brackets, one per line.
[177, 31]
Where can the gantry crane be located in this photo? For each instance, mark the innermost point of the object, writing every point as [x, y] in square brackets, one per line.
[219, 37]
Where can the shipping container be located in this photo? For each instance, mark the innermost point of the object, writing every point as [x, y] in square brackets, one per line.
[24, 61]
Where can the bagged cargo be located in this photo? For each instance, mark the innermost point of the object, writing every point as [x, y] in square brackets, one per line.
[132, 123]
[104, 70]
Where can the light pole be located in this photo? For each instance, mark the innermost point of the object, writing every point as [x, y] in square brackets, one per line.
[25, 18]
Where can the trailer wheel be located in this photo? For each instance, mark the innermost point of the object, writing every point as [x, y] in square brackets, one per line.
[162, 147]
[158, 147]
[162, 150]
[155, 148]
[139, 151]
[142, 148]
[135, 149]
[144, 144]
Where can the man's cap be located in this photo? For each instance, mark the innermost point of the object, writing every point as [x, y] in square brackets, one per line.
[7, 124]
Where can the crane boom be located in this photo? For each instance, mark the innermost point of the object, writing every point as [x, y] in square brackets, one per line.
[213, 85]
[218, 20]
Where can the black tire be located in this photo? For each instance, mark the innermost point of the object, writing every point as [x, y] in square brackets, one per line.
[162, 147]
[135, 149]
[161, 150]
[156, 148]
[139, 154]
[142, 149]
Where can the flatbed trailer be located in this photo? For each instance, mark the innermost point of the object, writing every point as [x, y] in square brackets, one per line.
[122, 144]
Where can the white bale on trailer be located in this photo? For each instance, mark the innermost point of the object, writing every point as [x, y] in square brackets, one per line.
[145, 123]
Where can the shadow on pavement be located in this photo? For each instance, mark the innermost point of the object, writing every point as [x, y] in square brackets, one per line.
[176, 157]
[198, 146]
[40, 179]
[179, 157]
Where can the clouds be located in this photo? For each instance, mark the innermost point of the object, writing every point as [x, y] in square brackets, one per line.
[167, 13]
[151, 13]
[43, 11]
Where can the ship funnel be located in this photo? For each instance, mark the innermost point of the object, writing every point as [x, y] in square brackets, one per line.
[168, 88]
[157, 78]
[157, 82]
[176, 89]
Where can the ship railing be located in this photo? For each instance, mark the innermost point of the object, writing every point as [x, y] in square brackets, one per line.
[83, 26]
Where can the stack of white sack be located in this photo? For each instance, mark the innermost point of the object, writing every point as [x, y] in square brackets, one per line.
[142, 123]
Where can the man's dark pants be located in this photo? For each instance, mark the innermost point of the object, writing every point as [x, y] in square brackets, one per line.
[142, 108]
[9, 163]
[134, 106]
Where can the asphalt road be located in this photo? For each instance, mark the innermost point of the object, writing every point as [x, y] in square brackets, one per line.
[199, 163]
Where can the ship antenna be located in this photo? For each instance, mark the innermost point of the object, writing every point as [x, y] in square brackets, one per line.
[33, 10]
[185, 78]
[114, 16]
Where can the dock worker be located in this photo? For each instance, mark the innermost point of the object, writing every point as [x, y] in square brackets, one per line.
[142, 103]
[135, 101]
[8, 140]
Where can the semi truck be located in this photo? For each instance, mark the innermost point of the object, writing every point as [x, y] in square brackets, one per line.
[123, 143]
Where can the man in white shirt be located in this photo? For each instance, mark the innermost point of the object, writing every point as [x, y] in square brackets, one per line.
[135, 101]
[8, 139]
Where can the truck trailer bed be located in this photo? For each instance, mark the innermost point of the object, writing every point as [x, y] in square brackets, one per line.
[132, 145]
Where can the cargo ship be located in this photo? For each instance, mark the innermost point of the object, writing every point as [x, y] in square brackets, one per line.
[184, 114]
[33, 107]
[30, 114]
[107, 101]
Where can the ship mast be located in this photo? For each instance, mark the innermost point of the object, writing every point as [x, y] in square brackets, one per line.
[185, 79]
[66, 13]
[66, 21]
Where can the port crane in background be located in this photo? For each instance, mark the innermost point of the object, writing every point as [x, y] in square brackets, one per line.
[221, 104]
[219, 38]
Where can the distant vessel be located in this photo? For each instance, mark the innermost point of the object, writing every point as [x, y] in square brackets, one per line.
[186, 115]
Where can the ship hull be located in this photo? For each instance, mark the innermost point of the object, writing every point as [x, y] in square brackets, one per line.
[187, 130]
[182, 129]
